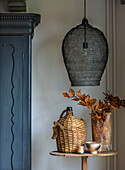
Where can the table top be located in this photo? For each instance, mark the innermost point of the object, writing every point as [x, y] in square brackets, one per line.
[107, 153]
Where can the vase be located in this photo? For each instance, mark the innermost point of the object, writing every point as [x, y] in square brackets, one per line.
[102, 132]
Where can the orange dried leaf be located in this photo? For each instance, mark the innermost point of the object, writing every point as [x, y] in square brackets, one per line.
[93, 109]
[83, 102]
[100, 104]
[100, 120]
[87, 98]
[93, 101]
[80, 104]
[83, 96]
[89, 107]
[92, 115]
[78, 93]
[65, 94]
[75, 99]
[71, 92]
[116, 105]
[105, 104]
[98, 116]
[99, 111]
[112, 107]
[97, 106]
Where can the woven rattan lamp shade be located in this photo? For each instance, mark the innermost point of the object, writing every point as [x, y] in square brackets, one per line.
[85, 70]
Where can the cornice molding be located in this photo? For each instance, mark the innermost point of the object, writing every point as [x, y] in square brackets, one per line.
[18, 23]
[20, 17]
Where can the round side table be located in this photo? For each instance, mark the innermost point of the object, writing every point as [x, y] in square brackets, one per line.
[83, 156]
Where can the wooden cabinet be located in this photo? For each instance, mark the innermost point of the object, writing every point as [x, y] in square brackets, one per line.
[16, 33]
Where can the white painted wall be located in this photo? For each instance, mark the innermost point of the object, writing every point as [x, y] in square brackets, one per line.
[50, 79]
[120, 44]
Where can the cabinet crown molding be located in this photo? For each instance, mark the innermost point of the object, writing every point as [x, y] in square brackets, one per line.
[18, 23]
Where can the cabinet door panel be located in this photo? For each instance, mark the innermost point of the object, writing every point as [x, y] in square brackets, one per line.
[15, 69]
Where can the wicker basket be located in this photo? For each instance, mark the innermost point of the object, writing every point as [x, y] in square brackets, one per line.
[69, 132]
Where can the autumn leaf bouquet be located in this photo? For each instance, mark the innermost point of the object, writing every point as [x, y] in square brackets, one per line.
[98, 109]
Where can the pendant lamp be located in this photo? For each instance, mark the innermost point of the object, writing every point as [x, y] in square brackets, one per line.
[85, 54]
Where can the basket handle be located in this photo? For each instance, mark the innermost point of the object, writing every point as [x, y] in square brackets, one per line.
[55, 133]
[58, 124]
[62, 113]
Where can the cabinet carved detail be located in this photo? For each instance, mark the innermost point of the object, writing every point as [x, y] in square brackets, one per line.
[12, 95]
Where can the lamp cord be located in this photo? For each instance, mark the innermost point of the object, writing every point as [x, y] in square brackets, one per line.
[85, 8]
[85, 18]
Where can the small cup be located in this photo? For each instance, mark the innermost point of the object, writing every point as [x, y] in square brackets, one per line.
[93, 147]
[80, 149]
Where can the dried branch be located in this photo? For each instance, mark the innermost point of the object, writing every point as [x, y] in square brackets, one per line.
[99, 109]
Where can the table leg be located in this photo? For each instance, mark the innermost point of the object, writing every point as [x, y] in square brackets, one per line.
[84, 163]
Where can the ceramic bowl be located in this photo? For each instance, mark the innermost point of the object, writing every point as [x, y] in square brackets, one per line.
[93, 147]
